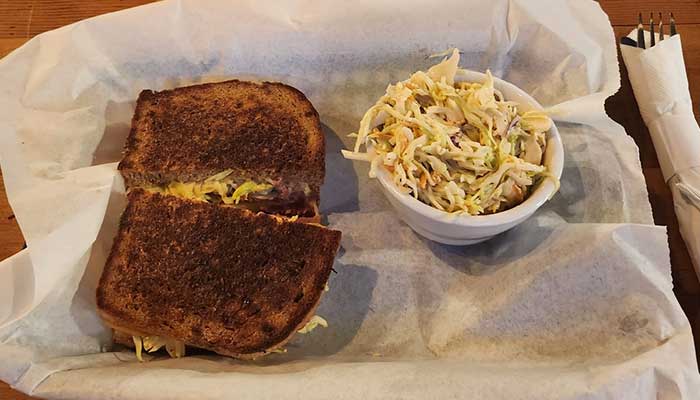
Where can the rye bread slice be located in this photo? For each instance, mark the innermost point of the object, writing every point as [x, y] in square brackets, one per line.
[259, 130]
[215, 277]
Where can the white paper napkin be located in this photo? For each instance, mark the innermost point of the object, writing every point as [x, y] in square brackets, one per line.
[660, 86]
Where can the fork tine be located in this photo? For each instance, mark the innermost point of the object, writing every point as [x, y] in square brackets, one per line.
[651, 30]
[661, 27]
[673, 26]
[640, 33]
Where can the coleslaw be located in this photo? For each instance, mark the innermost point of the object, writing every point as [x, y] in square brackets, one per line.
[457, 146]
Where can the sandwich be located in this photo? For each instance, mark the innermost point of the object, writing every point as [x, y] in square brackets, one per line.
[220, 246]
[254, 145]
[226, 279]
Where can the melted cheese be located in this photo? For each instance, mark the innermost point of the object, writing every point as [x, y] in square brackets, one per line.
[219, 184]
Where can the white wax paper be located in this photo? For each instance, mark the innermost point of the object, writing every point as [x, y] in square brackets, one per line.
[575, 303]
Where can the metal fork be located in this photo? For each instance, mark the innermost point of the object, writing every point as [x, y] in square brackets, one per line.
[640, 30]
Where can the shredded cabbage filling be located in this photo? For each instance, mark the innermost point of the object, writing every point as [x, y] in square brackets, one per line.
[151, 344]
[457, 146]
[313, 323]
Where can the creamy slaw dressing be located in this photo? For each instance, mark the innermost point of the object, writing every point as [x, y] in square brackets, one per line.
[457, 146]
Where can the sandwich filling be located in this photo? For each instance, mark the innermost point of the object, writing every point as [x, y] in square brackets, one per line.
[272, 197]
[314, 322]
[151, 344]
[177, 349]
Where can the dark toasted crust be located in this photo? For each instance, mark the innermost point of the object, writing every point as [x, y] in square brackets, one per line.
[219, 278]
[260, 130]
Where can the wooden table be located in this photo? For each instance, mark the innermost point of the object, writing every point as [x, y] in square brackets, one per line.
[20, 20]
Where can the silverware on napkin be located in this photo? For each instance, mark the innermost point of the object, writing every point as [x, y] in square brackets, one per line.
[641, 40]
[660, 84]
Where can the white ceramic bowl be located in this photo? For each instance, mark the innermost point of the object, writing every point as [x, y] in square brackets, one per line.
[454, 229]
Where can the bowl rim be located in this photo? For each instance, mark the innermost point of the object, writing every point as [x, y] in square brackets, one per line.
[542, 193]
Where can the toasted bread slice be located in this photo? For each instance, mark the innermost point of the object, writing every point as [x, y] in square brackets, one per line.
[215, 277]
[262, 131]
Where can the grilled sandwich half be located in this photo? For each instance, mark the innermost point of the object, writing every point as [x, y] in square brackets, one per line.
[221, 278]
[255, 145]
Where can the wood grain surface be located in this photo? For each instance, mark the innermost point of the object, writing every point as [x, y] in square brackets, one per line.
[20, 20]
